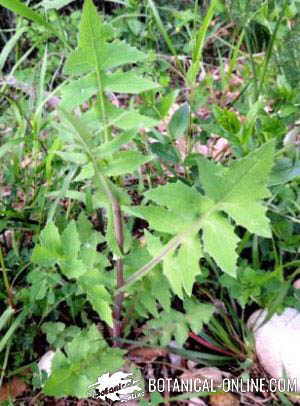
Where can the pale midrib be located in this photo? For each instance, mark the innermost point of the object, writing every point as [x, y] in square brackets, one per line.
[99, 81]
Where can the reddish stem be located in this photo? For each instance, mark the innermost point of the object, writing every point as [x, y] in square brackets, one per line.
[209, 345]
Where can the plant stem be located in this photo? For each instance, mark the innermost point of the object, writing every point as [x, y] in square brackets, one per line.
[209, 345]
[5, 281]
[119, 235]
[83, 138]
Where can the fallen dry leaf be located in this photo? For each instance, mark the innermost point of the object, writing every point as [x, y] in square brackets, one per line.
[224, 399]
[203, 373]
[147, 354]
[12, 389]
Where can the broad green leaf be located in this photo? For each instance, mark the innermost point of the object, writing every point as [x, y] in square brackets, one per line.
[75, 157]
[174, 274]
[113, 146]
[125, 162]
[227, 119]
[211, 176]
[176, 196]
[128, 120]
[197, 314]
[85, 358]
[92, 31]
[182, 267]
[43, 256]
[166, 102]
[240, 188]
[284, 171]
[72, 268]
[119, 53]
[50, 238]
[159, 218]
[71, 242]
[247, 178]
[188, 258]
[85, 228]
[100, 300]
[251, 215]
[79, 62]
[220, 242]
[180, 121]
[87, 172]
[78, 91]
[176, 324]
[235, 190]
[127, 82]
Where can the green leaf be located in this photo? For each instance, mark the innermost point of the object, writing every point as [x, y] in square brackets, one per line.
[128, 120]
[159, 218]
[188, 258]
[85, 358]
[100, 299]
[125, 162]
[92, 31]
[127, 82]
[178, 197]
[71, 242]
[72, 267]
[75, 157]
[174, 274]
[43, 256]
[240, 188]
[119, 53]
[180, 121]
[234, 191]
[182, 267]
[227, 119]
[50, 238]
[166, 102]
[176, 324]
[220, 242]
[113, 146]
[78, 91]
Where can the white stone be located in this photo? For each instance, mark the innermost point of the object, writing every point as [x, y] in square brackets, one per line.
[45, 362]
[277, 343]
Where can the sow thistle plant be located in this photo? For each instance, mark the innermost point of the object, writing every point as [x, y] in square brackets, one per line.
[186, 222]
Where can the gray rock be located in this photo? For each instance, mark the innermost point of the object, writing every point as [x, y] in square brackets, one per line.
[277, 343]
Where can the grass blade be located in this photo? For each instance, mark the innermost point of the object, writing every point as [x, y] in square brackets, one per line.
[20, 8]
[12, 329]
[199, 44]
[9, 46]
[6, 316]
[161, 27]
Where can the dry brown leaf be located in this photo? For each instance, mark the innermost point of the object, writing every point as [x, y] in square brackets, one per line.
[12, 389]
[147, 354]
[224, 399]
[203, 373]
